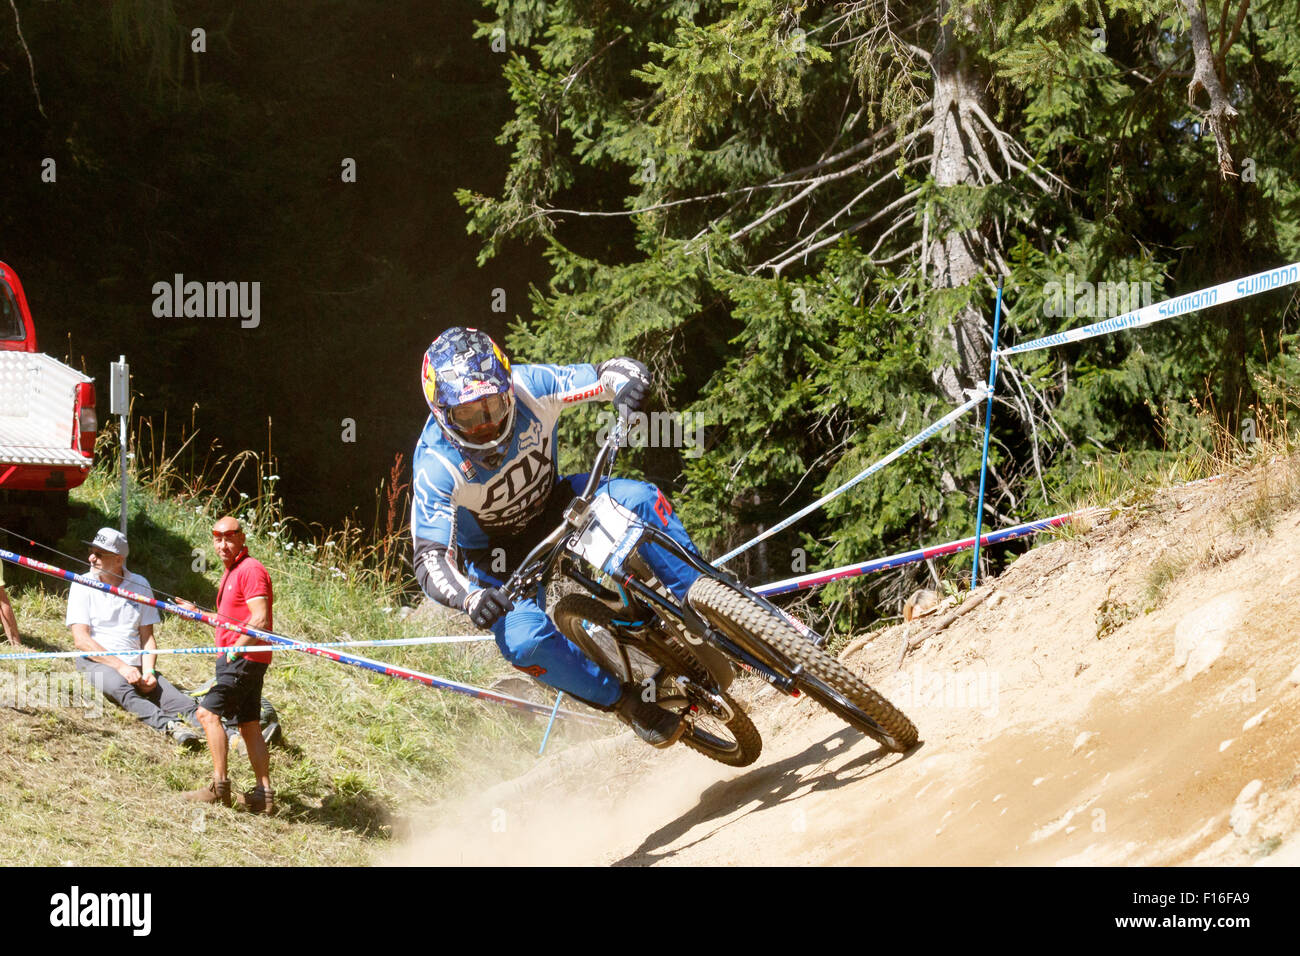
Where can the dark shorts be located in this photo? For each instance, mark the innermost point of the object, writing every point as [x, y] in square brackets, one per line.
[237, 692]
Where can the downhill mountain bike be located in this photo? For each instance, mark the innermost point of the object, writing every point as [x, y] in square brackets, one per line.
[684, 655]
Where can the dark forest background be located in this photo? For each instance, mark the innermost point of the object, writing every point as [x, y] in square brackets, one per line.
[795, 212]
[226, 166]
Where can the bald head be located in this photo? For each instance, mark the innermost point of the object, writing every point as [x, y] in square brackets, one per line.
[227, 525]
[228, 539]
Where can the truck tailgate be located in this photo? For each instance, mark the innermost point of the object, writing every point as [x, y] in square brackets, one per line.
[37, 402]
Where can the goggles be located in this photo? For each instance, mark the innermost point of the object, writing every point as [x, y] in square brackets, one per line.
[481, 419]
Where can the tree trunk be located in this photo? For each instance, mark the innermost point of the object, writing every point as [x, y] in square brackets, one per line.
[1235, 391]
[952, 251]
[1221, 116]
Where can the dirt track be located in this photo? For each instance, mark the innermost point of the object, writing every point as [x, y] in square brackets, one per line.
[1043, 743]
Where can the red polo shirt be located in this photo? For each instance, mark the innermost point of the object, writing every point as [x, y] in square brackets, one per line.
[246, 578]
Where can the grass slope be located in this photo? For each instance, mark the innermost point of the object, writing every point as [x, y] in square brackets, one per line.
[362, 751]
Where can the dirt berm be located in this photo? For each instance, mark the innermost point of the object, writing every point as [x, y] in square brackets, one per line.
[1124, 695]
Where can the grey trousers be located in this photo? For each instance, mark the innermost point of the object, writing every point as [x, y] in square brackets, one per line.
[157, 708]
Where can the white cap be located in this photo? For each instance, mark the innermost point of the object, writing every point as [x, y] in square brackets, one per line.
[110, 540]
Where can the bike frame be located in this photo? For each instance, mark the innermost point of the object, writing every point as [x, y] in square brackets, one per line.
[537, 567]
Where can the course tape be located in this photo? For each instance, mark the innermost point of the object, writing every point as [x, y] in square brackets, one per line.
[394, 642]
[818, 578]
[353, 660]
[1221, 294]
[898, 452]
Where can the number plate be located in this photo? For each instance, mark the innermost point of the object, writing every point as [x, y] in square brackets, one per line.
[609, 537]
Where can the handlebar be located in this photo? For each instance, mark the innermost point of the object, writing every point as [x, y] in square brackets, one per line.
[605, 458]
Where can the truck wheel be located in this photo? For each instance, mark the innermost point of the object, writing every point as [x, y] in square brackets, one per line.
[40, 516]
[56, 517]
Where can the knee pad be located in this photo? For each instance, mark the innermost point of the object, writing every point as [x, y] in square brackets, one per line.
[520, 650]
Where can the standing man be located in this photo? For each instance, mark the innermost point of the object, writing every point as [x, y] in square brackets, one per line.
[244, 596]
[7, 619]
[100, 621]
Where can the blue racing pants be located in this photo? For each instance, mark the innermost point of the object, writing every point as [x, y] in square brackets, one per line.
[528, 638]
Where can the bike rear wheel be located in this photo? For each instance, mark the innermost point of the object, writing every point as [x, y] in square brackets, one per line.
[775, 641]
[716, 727]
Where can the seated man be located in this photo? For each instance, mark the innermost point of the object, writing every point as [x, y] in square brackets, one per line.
[106, 622]
[7, 619]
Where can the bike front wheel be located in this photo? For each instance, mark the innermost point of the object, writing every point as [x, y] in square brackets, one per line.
[822, 677]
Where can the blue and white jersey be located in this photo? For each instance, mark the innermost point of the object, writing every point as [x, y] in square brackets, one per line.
[460, 505]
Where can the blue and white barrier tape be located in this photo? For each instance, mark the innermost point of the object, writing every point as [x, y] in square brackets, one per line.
[139, 652]
[898, 452]
[1221, 294]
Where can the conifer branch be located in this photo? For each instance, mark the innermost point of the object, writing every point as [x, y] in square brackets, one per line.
[976, 155]
[898, 224]
[1002, 139]
[568, 81]
[31, 66]
[796, 251]
[892, 174]
[1226, 45]
[776, 182]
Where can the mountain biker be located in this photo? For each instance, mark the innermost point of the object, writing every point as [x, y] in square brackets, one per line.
[486, 488]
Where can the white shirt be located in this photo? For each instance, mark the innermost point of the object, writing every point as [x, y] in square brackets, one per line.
[114, 621]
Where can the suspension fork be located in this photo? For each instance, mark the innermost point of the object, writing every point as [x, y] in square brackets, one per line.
[721, 641]
[651, 597]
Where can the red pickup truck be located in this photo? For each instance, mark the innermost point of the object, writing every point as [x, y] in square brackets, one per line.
[47, 424]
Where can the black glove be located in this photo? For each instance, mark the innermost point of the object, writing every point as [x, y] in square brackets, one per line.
[631, 398]
[630, 381]
[485, 606]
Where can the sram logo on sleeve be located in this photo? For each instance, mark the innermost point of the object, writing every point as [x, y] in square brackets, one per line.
[586, 393]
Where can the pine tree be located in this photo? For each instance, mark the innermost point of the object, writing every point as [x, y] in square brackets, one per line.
[797, 213]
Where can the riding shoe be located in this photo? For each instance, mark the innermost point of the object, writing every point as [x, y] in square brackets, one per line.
[649, 721]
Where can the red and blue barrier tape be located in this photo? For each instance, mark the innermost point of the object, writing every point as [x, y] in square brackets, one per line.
[353, 660]
[818, 578]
